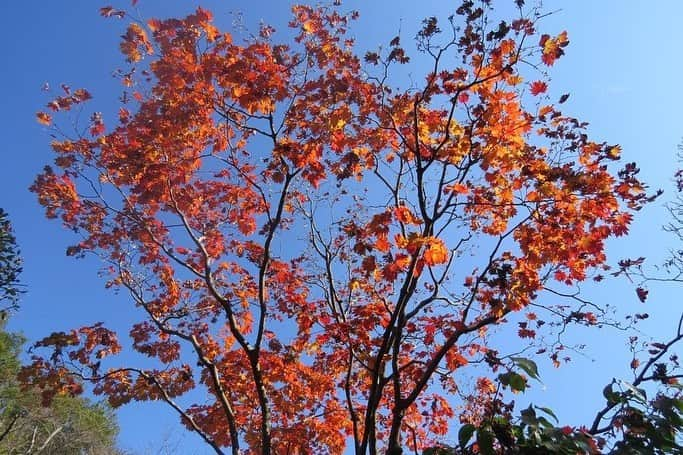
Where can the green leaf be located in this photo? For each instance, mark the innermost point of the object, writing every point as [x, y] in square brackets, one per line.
[465, 434]
[545, 422]
[583, 445]
[529, 366]
[438, 451]
[549, 412]
[639, 394]
[517, 382]
[610, 395]
[551, 445]
[529, 416]
[485, 441]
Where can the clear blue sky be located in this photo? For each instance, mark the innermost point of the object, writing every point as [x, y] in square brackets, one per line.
[623, 69]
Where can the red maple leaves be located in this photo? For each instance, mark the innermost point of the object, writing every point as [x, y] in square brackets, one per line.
[538, 87]
[296, 230]
[553, 48]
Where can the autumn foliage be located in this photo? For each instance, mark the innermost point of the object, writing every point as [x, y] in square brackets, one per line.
[321, 253]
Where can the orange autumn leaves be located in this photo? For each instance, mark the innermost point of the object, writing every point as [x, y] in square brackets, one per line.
[434, 249]
[316, 245]
[135, 43]
[64, 102]
[44, 118]
[377, 236]
[553, 48]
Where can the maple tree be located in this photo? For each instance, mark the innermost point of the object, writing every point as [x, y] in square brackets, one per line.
[324, 254]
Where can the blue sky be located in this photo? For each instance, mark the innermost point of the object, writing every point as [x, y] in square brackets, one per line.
[622, 68]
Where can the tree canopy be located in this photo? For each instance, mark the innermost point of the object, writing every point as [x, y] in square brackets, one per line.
[322, 252]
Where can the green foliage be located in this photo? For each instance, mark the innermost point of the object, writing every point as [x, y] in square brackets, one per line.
[652, 426]
[69, 426]
[528, 365]
[10, 266]
[630, 423]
